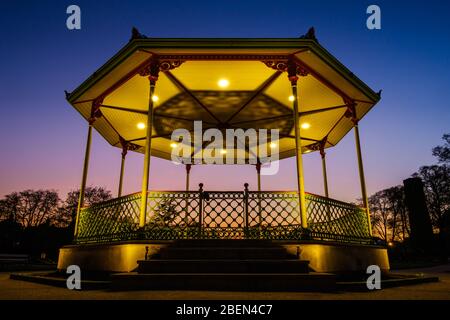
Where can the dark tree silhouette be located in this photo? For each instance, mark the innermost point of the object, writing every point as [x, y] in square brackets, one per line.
[31, 208]
[380, 214]
[388, 214]
[92, 196]
[398, 217]
[443, 152]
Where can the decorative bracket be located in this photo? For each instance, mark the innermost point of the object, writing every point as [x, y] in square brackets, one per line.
[95, 110]
[258, 167]
[126, 145]
[155, 65]
[319, 146]
[351, 111]
[151, 70]
[292, 67]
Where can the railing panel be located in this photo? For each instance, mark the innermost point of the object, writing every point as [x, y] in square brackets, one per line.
[230, 215]
[172, 215]
[328, 218]
[223, 210]
[116, 219]
[273, 209]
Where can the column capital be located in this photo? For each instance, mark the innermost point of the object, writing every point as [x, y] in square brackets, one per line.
[351, 111]
[295, 69]
[95, 110]
[319, 146]
[290, 65]
[151, 70]
[258, 167]
[155, 65]
[124, 145]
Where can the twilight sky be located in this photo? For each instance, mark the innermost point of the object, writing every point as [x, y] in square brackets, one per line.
[43, 137]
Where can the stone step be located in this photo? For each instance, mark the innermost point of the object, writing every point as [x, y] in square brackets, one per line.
[210, 253]
[225, 281]
[222, 266]
[232, 243]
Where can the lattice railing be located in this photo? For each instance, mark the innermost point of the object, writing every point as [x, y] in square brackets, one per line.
[335, 220]
[230, 215]
[172, 215]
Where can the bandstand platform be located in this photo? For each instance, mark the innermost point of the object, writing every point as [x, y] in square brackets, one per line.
[295, 90]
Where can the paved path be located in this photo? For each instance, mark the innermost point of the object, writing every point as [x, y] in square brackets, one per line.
[13, 289]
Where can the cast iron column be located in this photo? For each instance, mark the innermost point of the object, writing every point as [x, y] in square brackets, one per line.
[95, 113]
[258, 173]
[324, 171]
[122, 168]
[152, 71]
[293, 78]
[362, 179]
[188, 171]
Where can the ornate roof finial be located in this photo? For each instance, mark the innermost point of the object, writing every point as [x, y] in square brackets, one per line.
[67, 93]
[311, 34]
[135, 34]
[379, 93]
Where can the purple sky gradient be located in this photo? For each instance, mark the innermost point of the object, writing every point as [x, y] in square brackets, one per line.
[43, 137]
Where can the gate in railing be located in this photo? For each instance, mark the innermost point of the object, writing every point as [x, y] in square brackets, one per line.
[223, 214]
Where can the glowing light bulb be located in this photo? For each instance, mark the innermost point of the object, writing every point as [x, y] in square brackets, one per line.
[173, 145]
[273, 145]
[141, 126]
[291, 98]
[223, 151]
[155, 98]
[305, 125]
[223, 83]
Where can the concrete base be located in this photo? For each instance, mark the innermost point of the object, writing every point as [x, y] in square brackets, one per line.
[117, 257]
[323, 257]
[340, 257]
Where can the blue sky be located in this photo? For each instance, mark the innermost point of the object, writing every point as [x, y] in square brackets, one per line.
[43, 137]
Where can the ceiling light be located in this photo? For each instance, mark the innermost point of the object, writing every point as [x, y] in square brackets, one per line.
[223, 151]
[305, 125]
[223, 83]
[273, 145]
[173, 145]
[291, 98]
[141, 126]
[155, 98]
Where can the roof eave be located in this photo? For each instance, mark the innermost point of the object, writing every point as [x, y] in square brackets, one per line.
[231, 43]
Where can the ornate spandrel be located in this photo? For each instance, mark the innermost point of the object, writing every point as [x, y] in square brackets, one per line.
[285, 65]
[155, 66]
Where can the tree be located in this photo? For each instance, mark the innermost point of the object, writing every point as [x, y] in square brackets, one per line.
[443, 152]
[31, 208]
[395, 196]
[388, 212]
[436, 179]
[379, 209]
[92, 196]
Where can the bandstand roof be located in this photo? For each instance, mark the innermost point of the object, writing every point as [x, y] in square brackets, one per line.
[257, 95]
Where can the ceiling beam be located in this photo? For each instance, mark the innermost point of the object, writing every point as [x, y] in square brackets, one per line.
[181, 86]
[256, 93]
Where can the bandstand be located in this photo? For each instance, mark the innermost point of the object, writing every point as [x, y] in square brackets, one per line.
[153, 86]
